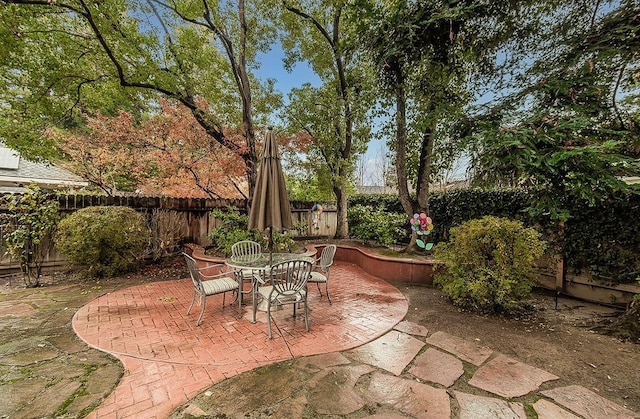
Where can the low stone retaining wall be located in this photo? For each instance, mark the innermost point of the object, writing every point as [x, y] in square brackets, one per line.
[412, 271]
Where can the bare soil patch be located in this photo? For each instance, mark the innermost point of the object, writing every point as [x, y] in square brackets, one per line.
[562, 340]
[39, 350]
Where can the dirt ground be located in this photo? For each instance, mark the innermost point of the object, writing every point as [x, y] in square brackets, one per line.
[561, 341]
[46, 371]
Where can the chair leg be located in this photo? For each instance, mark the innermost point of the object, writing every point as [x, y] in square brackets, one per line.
[318, 285]
[240, 300]
[306, 316]
[193, 300]
[203, 303]
[269, 318]
[327, 291]
[238, 293]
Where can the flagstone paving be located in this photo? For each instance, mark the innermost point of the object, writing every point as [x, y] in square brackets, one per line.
[411, 329]
[465, 350]
[586, 403]
[516, 378]
[404, 395]
[547, 410]
[358, 360]
[391, 352]
[437, 367]
[473, 407]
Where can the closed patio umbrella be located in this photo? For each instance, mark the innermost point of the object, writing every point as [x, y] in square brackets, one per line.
[270, 207]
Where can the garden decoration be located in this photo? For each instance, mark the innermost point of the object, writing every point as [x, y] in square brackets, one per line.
[316, 210]
[422, 225]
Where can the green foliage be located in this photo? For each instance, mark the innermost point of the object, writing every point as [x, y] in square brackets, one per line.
[232, 228]
[604, 239]
[335, 114]
[568, 132]
[425, 54]
[599, 237]
[60, 61]
[32, 217]
[454, 207]
[489, 264]
[282, 241]
[301, 227]
[107, 240]
[367, 223]
[385, 201]
[307, 183]
[451, 208]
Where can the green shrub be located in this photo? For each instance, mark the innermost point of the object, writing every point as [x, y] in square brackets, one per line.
[378, 225]
[489, 264]
[390, 202]
[598, 238]
[604, 239]
[26, 226]
[232, 228]
[108, 240]
[282, 241]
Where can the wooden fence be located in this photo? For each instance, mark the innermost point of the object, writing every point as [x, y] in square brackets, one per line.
[174, 221]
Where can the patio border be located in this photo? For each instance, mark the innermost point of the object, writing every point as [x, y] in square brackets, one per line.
[402, 270]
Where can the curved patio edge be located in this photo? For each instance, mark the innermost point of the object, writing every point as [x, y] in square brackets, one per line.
[146, 327]
[402, 270]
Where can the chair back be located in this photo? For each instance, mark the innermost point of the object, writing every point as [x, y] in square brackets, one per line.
[246, 248]
[326, 257]
[194, 271]
[290, 278]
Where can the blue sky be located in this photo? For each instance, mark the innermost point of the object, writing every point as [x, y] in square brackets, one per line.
[272, 67]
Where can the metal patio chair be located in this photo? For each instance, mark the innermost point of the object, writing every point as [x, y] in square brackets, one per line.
[245, 248]
[206, 285]
[288, 286]
[322, 268]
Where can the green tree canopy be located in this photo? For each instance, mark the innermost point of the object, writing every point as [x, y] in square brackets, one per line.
[336, 114]
[425, 54]
[64, 58]
[570, 132]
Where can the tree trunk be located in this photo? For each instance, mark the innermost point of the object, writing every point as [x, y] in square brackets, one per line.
[401, 158]
[401, 146]
[421, 203]
[424, 173]
[342, 225]
[244, 87]
[412, 247]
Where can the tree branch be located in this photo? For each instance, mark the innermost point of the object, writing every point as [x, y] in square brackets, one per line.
[314, 22]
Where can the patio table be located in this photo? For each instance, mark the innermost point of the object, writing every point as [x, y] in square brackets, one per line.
[260, 264]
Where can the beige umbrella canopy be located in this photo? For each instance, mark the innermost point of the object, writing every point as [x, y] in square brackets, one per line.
[270, 207]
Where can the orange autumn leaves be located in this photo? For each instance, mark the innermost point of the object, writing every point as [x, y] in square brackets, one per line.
[168, 154]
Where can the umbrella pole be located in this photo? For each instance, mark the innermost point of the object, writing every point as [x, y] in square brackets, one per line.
[270, 246]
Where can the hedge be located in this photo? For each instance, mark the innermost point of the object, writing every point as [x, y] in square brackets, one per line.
[604, 238]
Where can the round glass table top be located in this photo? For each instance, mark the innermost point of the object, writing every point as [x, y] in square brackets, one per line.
[263, 260]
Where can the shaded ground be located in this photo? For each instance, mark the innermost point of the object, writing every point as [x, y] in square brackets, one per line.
[46, 371]
[560, 341]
